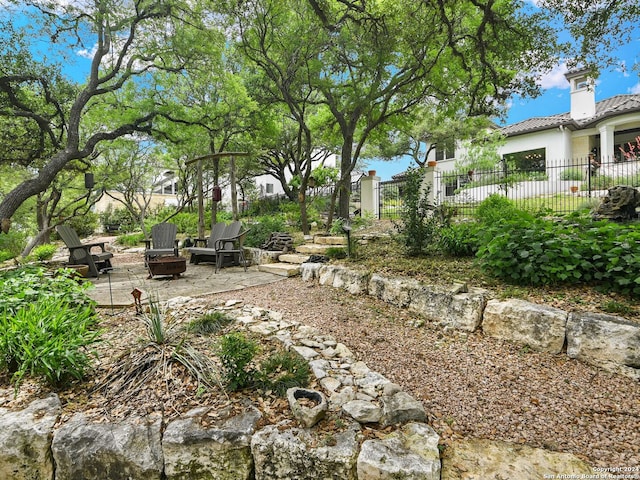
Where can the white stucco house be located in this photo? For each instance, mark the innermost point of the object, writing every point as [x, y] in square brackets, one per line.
[565, 139]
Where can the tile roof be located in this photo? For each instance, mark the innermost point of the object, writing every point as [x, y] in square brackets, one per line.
[616, 105]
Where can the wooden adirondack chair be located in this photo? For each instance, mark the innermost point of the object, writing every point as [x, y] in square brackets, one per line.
[209, 253]
[163, 241]
[231, 247]
[82, 254]
[203, 246]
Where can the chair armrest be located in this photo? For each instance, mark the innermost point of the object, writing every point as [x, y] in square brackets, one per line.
[220, 243]
[96, 244]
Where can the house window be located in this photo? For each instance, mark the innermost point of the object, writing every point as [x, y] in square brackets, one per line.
[445, 150]
[582, 82]
[269, 187]
[529, 160]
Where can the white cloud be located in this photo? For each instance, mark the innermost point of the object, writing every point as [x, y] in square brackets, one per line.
[555, 78]
[84, 53]
[635, 89]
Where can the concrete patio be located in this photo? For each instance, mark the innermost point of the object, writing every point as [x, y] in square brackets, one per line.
[114, 289]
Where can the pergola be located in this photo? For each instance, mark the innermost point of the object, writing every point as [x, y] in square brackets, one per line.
[232, 181]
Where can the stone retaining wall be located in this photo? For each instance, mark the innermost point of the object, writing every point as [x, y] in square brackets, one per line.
[607, 341]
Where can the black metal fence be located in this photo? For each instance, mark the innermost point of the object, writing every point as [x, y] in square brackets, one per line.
[561, 187]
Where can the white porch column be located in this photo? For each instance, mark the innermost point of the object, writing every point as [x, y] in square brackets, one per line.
[606, 144]
[369, 187]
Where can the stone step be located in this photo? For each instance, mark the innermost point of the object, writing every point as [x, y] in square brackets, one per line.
[314, 249]
[293, 258]
[330, 240]
[282, 269]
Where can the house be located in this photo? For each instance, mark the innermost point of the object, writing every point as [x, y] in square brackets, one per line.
[589, 127]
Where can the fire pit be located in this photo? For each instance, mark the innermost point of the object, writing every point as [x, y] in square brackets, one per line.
[168, 265]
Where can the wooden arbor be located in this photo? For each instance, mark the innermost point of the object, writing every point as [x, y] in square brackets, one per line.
[232, 181]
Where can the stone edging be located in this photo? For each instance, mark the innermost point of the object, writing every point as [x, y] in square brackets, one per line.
[606, 341]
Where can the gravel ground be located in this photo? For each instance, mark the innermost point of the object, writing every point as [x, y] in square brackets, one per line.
[471, 385]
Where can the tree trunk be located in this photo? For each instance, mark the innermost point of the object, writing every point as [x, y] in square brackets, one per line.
[234, 188]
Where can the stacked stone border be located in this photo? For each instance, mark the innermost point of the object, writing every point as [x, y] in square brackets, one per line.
[606, 341]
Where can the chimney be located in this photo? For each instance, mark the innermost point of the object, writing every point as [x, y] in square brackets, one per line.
[583, 94]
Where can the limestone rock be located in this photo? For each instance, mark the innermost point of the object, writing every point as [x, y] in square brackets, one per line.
[284, 454]
[480, 459]
[362, 411]
[89, 451]
[310, 271]
[461, 311]
[194, 451]
[410, 453]
[401, 408]
[311, 414]
[25, 439]
[394, 291]
[344, 278]
[603, 340]
[541, 327]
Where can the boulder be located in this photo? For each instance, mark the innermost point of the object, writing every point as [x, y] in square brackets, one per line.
[401, 407]
[407, 454]
[363, 411]
[127, 449]
[619, 204]
[344, 278]
[394, 291]
[450, 307]
[281, 453]
[541, 327]
[25, 439]
[310, 271]
[210, 444]
[480, 459]
[610, 342]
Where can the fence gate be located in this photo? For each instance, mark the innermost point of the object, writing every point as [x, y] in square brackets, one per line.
[390, 199]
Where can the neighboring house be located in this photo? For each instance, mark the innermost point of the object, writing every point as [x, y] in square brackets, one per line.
[269, 186]
[567, 139]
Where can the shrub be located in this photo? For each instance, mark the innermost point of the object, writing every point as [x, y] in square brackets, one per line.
[460, 239]
[130, 239]
[48, 339]
[11, 244]
[419, 223]
[43, 252]
[236, 353]
[84, 225]
[336, 253]
[262, 228]
[496, 208]
[574, 173]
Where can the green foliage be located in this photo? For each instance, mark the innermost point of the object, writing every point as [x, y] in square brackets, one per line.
[336, 253]
[186, 222]
[496, 208]
[575, 174]
[599, 182]
[537, 251]
[117, 217]
[262, 227]
[48, 339]
[209, 323]
[460, 239]
[43, 252]
[620, 308]
[282, 371]
[22, 286]
[84, 225]
[236, 353]
[130, 239]
[11, 244]
[420, 222]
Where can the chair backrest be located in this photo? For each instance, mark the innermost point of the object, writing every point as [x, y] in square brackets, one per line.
[217, 232]
[232, 230]
[68, 236]
[163, 235]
